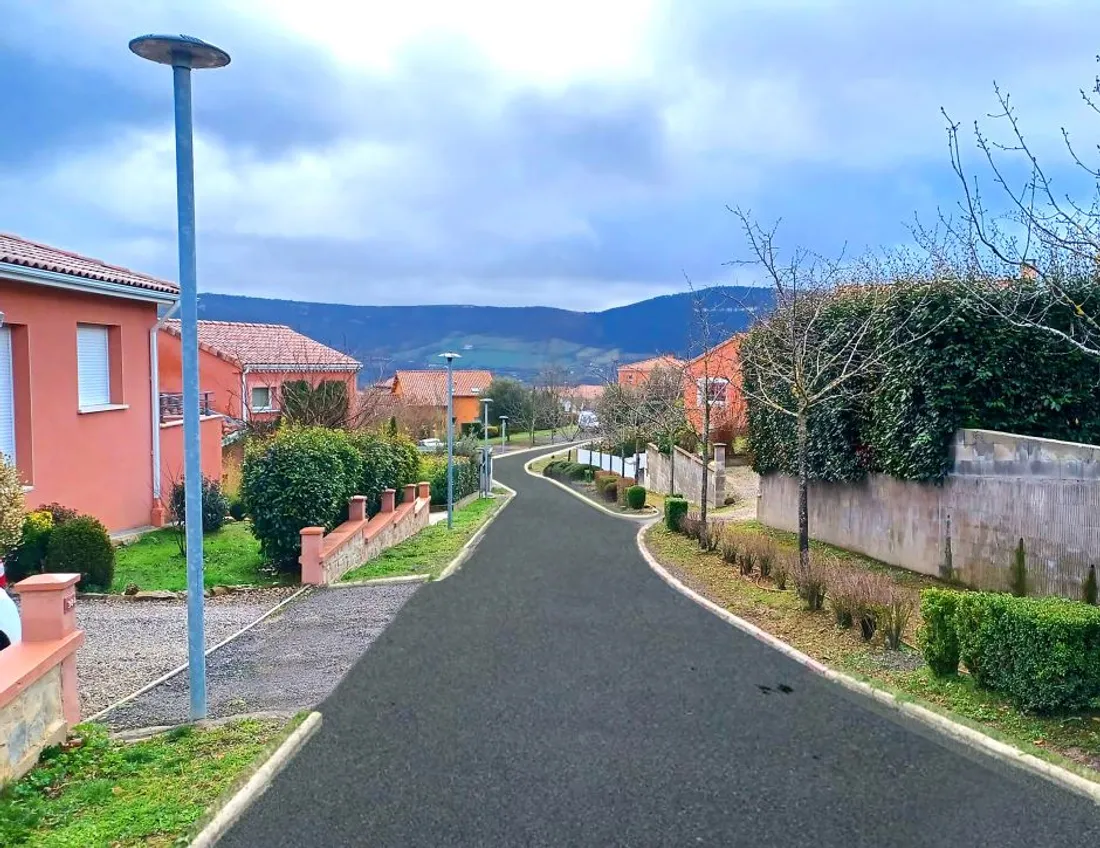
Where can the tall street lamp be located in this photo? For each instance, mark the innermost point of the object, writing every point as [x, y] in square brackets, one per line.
[450, 357]
[485, 401]
[185, 53]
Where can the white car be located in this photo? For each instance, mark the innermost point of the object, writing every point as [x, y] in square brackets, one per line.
[587, 420]
[430, 445]
[11, 629]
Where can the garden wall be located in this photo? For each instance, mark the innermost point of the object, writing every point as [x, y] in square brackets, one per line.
[689, 473]
[327, 558]
[1001, 488]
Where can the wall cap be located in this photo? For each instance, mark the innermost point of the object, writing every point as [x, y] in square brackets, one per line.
[46, 583]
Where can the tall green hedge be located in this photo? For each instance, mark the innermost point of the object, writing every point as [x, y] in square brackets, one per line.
[434, 469]
[389, 462]
[973, 369]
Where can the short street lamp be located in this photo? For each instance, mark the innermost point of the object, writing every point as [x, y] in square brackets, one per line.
[503, 431]
[450, 357]
[185, 53]
[485, 401]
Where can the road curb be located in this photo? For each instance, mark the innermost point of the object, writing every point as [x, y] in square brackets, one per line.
[257, 784]
[635, 518]
[959, 732]
[381, 581]
[169, 675]
[471, 543]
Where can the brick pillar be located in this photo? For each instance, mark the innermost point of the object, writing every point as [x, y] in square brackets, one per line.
[48, 613]
[357, 508]
[157, 515]
[313, 572]
[719, 473]
[409, 495]
[388, 498]
[425, 490]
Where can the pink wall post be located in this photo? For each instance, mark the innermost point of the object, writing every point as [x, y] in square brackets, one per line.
[388, 497]
[310, 558]
[425, 490]
[49, 615]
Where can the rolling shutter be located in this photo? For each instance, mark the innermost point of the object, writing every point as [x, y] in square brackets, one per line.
[93, 366]
[7, 398]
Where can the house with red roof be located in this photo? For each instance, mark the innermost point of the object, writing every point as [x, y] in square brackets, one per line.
[244, 367]
[423, 395]
[79, 383]
[636, 373]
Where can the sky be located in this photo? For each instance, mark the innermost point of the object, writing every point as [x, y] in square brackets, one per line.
[580, 153]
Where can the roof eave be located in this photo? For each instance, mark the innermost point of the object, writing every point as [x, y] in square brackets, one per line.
[297, 366]
[56, 279]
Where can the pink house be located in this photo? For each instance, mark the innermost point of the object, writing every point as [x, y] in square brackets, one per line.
[78, 384]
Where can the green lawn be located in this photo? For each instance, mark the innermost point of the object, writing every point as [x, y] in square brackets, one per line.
[148, 793]
[430, 550]
[231, 558]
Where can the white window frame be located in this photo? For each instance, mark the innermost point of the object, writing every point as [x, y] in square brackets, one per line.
[7, 413]
[701, 386]
[270, 399]
[86, 401]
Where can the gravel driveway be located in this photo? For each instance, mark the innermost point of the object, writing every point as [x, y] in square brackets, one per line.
[128, 644]
[286, 663]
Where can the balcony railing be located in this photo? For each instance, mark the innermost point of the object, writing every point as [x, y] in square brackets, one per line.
[171, 405]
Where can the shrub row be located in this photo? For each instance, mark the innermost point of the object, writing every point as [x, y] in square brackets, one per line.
[433, 468]
[563, 469]
[1043, 654]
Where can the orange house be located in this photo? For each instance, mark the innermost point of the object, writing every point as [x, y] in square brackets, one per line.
[637, 372]
[77, 384]
[426, 393]
[242, 367]
[716, 372]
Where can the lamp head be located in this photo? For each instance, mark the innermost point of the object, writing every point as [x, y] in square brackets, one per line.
[450, 356]
[183, 51]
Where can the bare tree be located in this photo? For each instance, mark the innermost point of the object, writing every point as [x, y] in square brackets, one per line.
[1031, 257]
[799, 359]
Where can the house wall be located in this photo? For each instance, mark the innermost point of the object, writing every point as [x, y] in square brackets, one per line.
[275, 379]
[215, 374]
[96, 462]
[721, 361]
[171, 452]
[1002, 488]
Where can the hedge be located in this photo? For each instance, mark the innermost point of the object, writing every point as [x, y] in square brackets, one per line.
[939, 640]
[675, 510]
[434, 470]
[973, 369]
[1042, 653]
[389, 462]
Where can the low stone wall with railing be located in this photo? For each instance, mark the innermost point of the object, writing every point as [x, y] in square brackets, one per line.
[326, 558]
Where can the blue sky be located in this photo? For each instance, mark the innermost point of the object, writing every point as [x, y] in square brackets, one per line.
[578, 153]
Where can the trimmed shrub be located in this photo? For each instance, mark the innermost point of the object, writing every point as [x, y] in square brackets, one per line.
[675, 509]
[214, 504]
[300, 477]
[236, 508]
[938, 637]
[579, 471]
[12, 507]
[635, 497]
[434, 470]
[1090, 586]
[611, 489]
[624, 484]
[82, 546]
[1041, 653]
[388, 462]
[810, 579]
[30, 557]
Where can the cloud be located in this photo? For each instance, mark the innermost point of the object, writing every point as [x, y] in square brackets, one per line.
[579, 154]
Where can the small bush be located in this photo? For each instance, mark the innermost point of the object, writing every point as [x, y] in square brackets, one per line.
[624, 485]
[82, 546]
[1041, 653]
[611, 489]
[843, 597]
[61, 514]
[747, 562]
[12, 506]
[732, 499]
[782, 567]
[214, 504]
[675, 510]
[938, 637]
[236, 508]
[765, 557]
[710, 536]
[1090, 586]
[635, 497]
[579, 471]
[30, 557]
[691, 524]
[730, 547]
[895, 614]
[810, 579]
[1018, 578]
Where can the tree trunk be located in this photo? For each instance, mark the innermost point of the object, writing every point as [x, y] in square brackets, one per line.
[803, 492]
[672, 471]
[706, 468]
[622, 459]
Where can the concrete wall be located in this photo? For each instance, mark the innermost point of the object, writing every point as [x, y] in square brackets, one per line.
[171, 452]
[1002, 488]
[689, 474]
[325, 559]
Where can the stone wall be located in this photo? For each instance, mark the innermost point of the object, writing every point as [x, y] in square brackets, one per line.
[327, 558]
[31, 721]
[1002, 488]
[689, 474]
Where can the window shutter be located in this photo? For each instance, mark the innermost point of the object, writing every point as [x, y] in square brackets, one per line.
[7, 398]
[93, 366]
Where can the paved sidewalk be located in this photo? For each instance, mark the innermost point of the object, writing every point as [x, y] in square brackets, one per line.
[555, 692]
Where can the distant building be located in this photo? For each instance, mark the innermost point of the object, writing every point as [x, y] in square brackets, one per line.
[581, 398]
[636, 372]
[421, 398]
[717, 372]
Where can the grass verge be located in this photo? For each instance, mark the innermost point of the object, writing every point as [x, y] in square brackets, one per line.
[430, 550]
[1071, 741]
[231, 557]
[149, 793]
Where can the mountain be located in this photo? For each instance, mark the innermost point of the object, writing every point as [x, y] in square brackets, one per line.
[510, 340]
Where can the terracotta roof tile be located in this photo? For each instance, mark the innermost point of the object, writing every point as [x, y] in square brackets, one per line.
[30, 254]
[429, 388]
[647, 365]
[266, 345]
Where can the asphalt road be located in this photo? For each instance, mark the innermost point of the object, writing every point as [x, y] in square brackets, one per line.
[556, 692]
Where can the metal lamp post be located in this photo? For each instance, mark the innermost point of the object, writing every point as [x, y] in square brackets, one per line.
[503, 431]
[185, 53]
[450, 357]
[485, 437]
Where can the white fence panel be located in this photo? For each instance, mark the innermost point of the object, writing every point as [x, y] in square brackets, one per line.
[612, 462]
